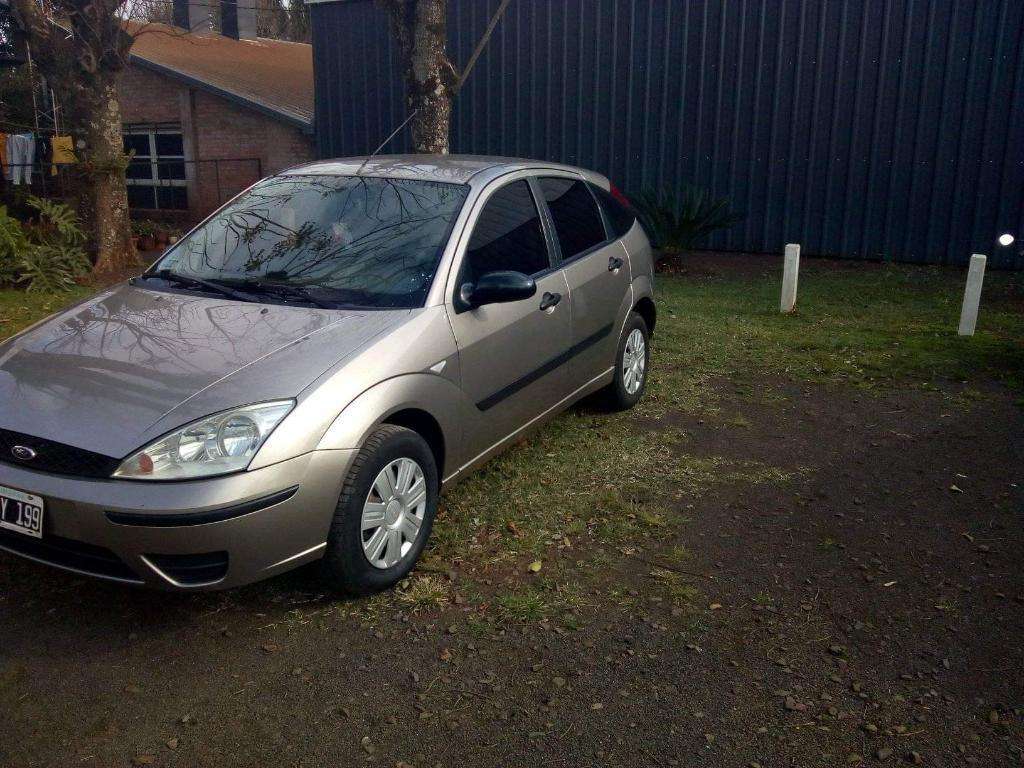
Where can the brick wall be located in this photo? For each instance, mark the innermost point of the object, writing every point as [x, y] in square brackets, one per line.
[147, 97]
[245, 143]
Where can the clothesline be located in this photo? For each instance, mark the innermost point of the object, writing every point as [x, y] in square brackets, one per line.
[24, 127]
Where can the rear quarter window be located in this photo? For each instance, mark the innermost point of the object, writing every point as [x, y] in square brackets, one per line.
[620, 218]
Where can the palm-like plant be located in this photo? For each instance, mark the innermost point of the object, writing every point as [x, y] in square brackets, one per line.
[46, 255]
[677, 223]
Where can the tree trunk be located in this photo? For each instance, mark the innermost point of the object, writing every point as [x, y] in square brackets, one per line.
[421, 31]
[104, 165]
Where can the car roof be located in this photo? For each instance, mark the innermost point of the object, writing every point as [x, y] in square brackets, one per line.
[456, 169]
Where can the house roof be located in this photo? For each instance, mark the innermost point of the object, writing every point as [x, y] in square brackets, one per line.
[271, 76]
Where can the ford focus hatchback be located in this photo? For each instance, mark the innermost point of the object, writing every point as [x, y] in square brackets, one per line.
[299, 377]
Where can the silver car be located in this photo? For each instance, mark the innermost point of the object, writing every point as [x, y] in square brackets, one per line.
[298, 378]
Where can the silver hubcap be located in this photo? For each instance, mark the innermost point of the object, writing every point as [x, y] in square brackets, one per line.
[634, 361]
[393, 513]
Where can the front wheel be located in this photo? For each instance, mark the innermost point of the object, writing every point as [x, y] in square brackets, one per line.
[631, 359]
[385, 513]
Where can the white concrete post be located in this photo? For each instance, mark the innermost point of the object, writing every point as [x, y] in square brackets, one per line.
[790, 270]
[972, 295]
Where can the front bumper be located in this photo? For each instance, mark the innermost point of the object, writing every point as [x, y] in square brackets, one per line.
[194, 535]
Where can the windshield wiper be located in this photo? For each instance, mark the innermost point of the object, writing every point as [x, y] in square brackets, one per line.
[300, 292]
[188, 280]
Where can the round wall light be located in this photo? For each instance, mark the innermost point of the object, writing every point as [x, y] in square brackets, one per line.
[1006, 239]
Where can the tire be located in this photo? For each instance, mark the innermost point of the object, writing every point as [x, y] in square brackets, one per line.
[618, 394]
[346, 564]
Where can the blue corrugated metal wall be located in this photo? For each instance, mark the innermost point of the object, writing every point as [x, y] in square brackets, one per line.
[858, 128]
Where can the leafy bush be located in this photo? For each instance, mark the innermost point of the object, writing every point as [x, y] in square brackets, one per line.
[677, 223]
[44, 255]
[143, 228]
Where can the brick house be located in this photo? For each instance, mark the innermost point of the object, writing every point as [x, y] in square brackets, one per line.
[206, 114]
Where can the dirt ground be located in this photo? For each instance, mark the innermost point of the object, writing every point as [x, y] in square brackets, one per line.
[866, 608]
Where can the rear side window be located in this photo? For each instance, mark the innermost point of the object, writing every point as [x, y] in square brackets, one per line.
[577, 221]
[507, 236]
[619, 216]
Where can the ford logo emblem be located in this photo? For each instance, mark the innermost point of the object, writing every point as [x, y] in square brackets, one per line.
[23, 453]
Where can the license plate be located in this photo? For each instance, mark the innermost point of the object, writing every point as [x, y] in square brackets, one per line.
[21, 512]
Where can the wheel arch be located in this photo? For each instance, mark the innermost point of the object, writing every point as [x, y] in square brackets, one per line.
[426, 426]
[430, 405]
[646, 309]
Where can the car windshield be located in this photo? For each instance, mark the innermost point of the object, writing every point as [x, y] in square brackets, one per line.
[326, 240]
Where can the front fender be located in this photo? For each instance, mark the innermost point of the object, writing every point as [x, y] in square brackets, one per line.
[427, 392]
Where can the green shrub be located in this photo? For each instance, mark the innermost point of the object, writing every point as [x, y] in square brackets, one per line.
[143, 228]
[44, 255]
[677, 223]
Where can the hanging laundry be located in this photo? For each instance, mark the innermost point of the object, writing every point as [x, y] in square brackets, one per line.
[21, 153]
[44, 154]
[63, 152]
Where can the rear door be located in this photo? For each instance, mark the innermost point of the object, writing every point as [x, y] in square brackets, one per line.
[596, 269]
[511, 354]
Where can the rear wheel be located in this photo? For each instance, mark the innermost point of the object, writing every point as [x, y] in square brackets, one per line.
[385, 512]
[631, 359]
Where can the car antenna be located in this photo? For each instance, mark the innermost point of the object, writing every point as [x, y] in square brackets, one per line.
[384, 143]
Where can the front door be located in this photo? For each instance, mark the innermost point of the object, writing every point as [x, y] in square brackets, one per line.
[511, 355]
[596, 269]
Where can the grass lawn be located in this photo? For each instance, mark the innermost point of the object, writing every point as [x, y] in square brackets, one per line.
[870, 326]
[801, 548]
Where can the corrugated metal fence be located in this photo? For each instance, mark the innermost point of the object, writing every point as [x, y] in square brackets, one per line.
[859, 128]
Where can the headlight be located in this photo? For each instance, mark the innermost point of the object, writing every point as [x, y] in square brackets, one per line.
[216, 445]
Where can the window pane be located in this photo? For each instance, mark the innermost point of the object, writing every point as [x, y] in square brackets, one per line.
[507, 236]
[172, 198]
[140, 197]
[137, 142]
[577, 221]
[139, 169]
[171, 169]
[619, 216]
[169, 144]
[354, 240]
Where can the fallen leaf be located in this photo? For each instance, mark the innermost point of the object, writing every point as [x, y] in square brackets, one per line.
[534, 567]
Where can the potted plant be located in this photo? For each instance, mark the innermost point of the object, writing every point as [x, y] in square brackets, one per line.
[145, 232]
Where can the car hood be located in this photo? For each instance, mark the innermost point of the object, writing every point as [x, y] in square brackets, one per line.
[130, 364]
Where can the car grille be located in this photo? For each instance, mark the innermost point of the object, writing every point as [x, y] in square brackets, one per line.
[56, 458]
[67, 553]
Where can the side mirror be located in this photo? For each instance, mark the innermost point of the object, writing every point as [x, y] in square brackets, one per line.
[497, 288]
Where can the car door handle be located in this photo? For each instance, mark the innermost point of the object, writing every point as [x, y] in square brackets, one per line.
[548, 300]
[615, 263]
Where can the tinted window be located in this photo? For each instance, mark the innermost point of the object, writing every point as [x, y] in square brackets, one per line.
[577, 221]
[619, 216]
[507, 235]
[350, 240]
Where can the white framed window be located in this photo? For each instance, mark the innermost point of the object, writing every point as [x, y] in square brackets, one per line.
[156, 171]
